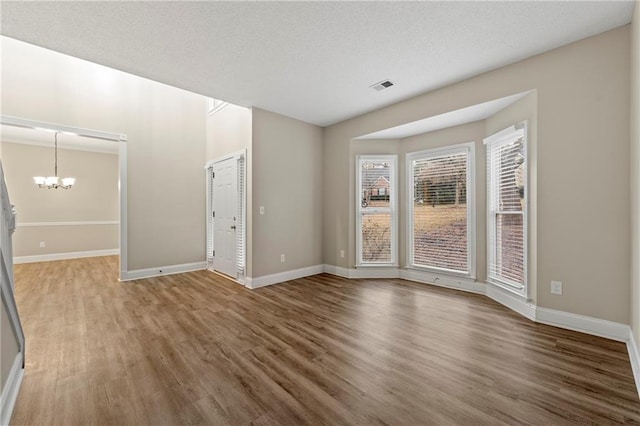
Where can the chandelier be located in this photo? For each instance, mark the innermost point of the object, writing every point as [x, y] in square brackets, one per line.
[54, 182]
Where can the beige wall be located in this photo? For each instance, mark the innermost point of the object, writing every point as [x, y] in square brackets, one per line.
[287, 181]
[64, 239]
[582, 156]
[9, 346]
[228, 131]
[635, 173]
[93, 198]
[166, 148]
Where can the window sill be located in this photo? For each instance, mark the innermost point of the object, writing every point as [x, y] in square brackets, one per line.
[382, 265]
[444, 272]
[507, 287]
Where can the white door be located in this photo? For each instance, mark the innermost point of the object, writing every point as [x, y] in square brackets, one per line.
[225, 205]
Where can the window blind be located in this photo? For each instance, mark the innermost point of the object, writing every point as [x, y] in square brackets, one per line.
[209, 174]
[240, 223]
[440, 209]
[376, 187]
[506, 183]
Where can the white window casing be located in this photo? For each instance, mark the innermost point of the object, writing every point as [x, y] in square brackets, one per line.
[441, 219]
[507, 204]
[376, 210]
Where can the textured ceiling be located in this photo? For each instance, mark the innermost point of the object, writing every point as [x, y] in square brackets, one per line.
[313, 61]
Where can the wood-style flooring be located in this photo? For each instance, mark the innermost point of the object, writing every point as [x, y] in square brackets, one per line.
[196, 348]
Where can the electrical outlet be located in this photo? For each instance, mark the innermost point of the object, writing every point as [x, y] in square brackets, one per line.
[42, 244]
[282, 258]
[261, 209]
[341, 253]
[556, 287]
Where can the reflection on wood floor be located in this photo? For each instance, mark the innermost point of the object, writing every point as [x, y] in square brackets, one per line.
[196, 348]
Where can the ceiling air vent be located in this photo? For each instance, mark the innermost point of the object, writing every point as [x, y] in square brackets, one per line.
[381, 85]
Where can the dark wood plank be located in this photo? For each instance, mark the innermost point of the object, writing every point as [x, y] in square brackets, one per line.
[196, 348]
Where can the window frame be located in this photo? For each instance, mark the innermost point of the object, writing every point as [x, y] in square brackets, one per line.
[392, 209]
[508, 135]
[469, 149]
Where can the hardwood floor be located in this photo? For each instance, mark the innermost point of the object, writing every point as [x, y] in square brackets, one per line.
[196, 348]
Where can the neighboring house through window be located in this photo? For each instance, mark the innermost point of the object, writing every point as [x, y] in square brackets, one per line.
[376, 183]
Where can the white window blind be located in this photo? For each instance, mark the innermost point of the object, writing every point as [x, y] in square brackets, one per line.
[376, 183]
[506, 212]
[240, 224]
[441, 212]
[209, 177]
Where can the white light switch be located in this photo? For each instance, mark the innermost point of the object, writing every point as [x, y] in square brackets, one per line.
[261, 209]
[42, 244]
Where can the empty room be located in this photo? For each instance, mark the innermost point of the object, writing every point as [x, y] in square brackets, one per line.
[320, 213]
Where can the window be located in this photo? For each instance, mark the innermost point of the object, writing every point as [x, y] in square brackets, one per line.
[506, 212]
[441, 220]
[376, 186]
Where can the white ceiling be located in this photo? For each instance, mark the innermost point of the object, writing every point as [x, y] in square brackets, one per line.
[42, 137]
[313, 61]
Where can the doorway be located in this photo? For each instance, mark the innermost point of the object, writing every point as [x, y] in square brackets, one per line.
[226, 216]
[76, 137]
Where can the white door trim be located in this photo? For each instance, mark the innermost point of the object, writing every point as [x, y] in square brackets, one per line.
[240, 154]
[236, 154]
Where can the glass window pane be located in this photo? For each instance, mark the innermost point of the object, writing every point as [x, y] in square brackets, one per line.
[506, 209]
[509, 247]
[439, 234]
[509, 176]
[376, 183]
[376, 238]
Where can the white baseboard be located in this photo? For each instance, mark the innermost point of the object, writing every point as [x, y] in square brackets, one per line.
[161, 270]
[511, 301]
[634, 356]
[280, 277]
[368, 272]
[338, 271]
[415, 275]
[440, 280]
[594, 326]
[65, 256]
[374, 273]
[11, 389]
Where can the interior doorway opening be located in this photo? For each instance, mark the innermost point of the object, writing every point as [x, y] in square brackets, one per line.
[21, 131]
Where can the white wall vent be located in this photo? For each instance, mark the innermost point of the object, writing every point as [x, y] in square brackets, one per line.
[381, 85]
